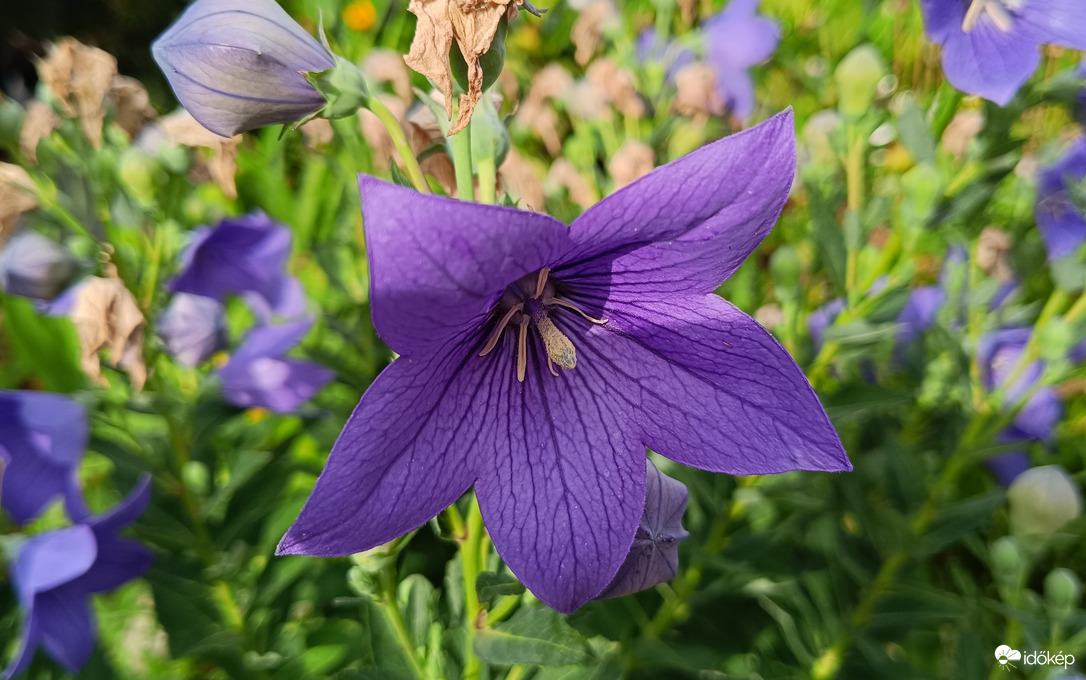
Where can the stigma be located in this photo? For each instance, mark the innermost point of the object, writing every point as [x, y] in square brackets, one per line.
[999, 11]
[528, 305]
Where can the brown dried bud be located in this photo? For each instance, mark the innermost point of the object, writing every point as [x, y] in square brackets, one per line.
[992, 248]
[633, 161]
[696, 94]
[222, 166]
[80, 76]
[131, 104]
[520, 180]
[587, 30]
[16, 197]
[106, 316]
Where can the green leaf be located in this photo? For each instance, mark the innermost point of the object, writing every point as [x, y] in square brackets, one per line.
[915, 133]
[537, 636]
[418, 601]
[46, 346]
[491, 586]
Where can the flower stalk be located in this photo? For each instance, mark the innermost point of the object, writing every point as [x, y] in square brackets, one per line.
[399, 140]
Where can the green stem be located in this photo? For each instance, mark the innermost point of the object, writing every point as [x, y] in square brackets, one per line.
[399, 140]
[488, 179]
[469, 560]
[516, 672]
[854, 177]
[465, 183]
[391, 607]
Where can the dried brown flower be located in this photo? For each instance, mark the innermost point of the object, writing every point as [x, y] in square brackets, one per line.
[16, 197]
[80, 76]
[520, 180]
[181, 128]
[39, 123]
[106, 316]
[587, 31]
[131, 104]
[633, 161]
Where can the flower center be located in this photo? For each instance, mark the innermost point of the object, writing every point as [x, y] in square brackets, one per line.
[1000, 11]
[529, 303]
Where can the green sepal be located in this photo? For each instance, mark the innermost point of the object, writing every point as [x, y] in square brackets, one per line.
[342, 86]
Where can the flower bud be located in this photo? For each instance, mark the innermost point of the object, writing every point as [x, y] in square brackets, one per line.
[237, 65]
[857, 77]
[33, 266]
[1007, 560]
[1062, 592]
[654, 555]
[193, 328]
[1042, 500]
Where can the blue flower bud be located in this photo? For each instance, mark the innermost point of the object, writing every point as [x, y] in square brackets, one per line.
[237, 65]
[192, 328]
[33, 266]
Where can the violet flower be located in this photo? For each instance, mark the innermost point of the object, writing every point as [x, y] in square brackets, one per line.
[992, 47]
[651, 47]
[246, 254]
[654, 555]
[33, 266]
[42, 439]
[737, 39]
[237, 65]
[999, 354]
[193, 328]
[56, 572]
[1061, 190]
[539, 360]
[258, 375]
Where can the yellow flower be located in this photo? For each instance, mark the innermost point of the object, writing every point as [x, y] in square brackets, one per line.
[360, 15]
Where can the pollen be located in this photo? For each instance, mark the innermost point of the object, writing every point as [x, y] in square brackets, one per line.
[528, 305]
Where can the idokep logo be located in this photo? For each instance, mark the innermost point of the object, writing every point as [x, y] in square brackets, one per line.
[1005, 656]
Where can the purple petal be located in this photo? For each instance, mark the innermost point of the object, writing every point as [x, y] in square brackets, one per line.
[919, 312]
[734, 42]
[31, 638]
[736, 89]
[1062, 223]
[237, 65]
[988, 61]
[941, 18]
[271, 341]
[280, 385]
[437, 266]
[1007, 466]
[246, 254]
[193, 328]
[1039, 416]
[119, 561]
[42, 437]
[713, 389]
[66, 626]
[654, 555]
[52, 559]
[33, 266]
[565, 483]
[124, 513]
[403, 456]
[685, 227]
[1055, 22]
[822, 318]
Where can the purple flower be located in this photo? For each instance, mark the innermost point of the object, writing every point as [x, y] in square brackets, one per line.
[654, 555]
[999, 354]
[33, 266]
[246, 254]
[822, 318]
[652, 48]
[55, 574]
[992, 47]
[42, 438]
[236, 65]
[539, 360]
[1061, 190]
[192, 328]
[737, 39]
[258, 375]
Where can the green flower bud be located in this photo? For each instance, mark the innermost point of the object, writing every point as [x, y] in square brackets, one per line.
[857, 77]
[140, 175]
[1062, 592]
[1007, 560]
[1043, 499]
[196, 477]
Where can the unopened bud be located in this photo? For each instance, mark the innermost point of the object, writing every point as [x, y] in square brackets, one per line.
[33, 266]
[858, 77]
[1007, 562]
[1043, 499]
[1062, 592]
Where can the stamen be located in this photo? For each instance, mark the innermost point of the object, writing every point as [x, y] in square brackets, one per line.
[550, 366]
[493, 341]
[522, 351]
[1000, 17]
[972, 14]
[541, 283]
[569, 305]
[559, 348]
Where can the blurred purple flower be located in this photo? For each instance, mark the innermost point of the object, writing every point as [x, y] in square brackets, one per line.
[821, 319]
[653, 48]
[992, 47]
[56, 572]
[236, 65]
[486, 303]
[33, 266]
[654, 555]
[999, 354]
[192, 328]
[1061, 190]
[258, 375]
[246, 254]
[737, 39]
[42, 439]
